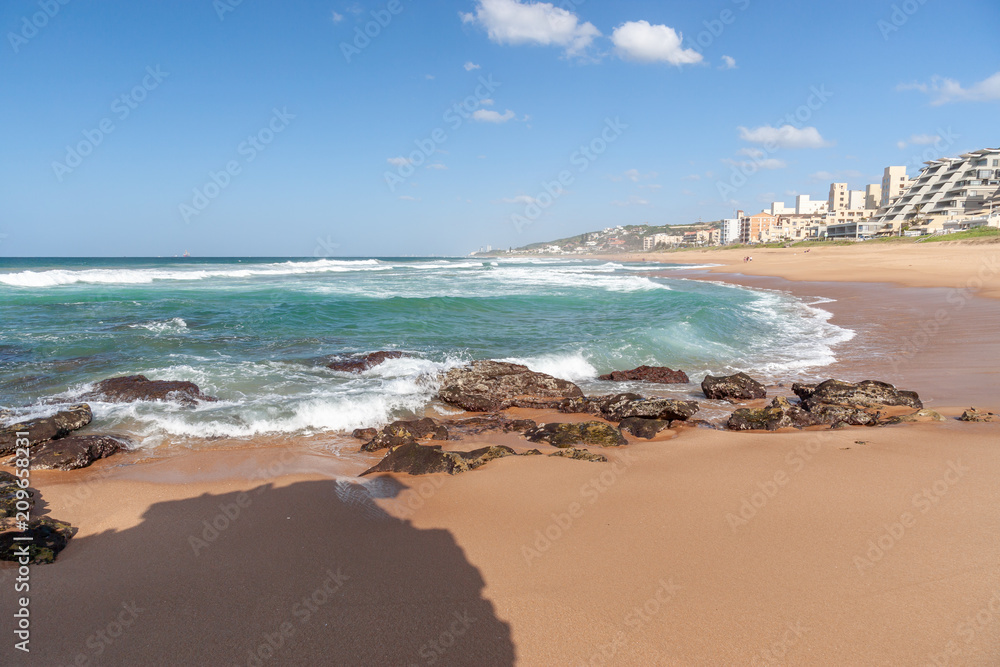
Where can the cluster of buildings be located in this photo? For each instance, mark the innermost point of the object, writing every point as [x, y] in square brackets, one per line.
[693, 237]
[949, 194]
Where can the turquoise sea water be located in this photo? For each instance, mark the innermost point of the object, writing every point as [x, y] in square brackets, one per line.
[256, 332]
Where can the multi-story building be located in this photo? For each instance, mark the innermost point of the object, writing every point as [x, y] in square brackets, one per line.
[873, 196]
[804, 206]
[755, 228]
[779, 208]
[730, 231]
[948, 188]
[895, 183]
[653, 240]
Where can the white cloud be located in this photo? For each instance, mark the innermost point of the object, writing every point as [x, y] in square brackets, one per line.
[651, 186]
[436, 165]
[766, 163]
[398, 161]
[752, 153]
[490, 116]
[638, 40]
[919, 140]
[513, 22]
[631, 201]
[469, 66]
[337, 18]
[728, 62]
[520, 199]
[786, 136]
[947, 90]
[486, 103]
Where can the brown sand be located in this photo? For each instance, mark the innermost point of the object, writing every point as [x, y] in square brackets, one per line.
[708, 548]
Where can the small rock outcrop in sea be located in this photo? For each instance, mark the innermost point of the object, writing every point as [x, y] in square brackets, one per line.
[644, 428]
[130, 388]
[365, 434]
[417, 459]
[401, 432]
[732, 388]
[580, 455]
[779, 414]
[77, 451]
[658, 374]
[974, 415]
[870, 393]
[44, 429]
[490, 386]
[362, 362]
[578, 433]
[48, 538]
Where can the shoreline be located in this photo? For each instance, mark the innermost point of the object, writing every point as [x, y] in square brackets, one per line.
[701, 547]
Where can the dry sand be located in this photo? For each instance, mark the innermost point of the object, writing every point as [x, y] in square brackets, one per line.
[860, 546]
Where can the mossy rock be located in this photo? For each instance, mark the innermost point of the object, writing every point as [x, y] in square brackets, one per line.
[49, 537]
[579, 433]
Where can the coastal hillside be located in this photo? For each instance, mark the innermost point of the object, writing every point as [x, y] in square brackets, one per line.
[623, 238]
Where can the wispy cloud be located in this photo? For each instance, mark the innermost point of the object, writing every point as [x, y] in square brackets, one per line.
[490, 116]
[918, 140]
[945, 90]
[786, 136]
[631, 201]
[398, 161]
[337, 18]
[728, 62]
[469, 66]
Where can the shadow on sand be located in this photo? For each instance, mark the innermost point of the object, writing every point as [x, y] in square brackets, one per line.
[313, 573]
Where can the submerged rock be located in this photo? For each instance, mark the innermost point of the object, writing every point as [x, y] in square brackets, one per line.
[733, 388]
[870, 393]
[490, 386]
[362, 362]
[130, 388]
[417, 459]
[779, 414]
[77, 451]
[400, 432]
[49, 537]
[579, 433]
[644, 428]
[974, 415]
[658, 374]
[580, 455]
[44, 429]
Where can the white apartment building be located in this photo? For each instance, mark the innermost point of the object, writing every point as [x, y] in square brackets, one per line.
[895, 183]
[873, 196]
[653, 240]
[956, 187]
[730, 231]
[804, 206]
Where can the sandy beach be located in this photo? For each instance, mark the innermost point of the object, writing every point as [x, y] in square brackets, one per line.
[860, 546]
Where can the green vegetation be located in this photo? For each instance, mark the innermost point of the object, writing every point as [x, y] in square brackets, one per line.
[977, 233]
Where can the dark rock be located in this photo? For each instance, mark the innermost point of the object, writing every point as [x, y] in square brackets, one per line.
[45, 428]
[658, 374]
[417, 459]
[361, 363]
[779, 414]
[644, 428]
[697, 423]
[580, 455]
[733, 388]
[870, 393]
[491, 422]
[365, 434]
[803, 391]
[974, 415]
[49, 537]
[579, 405]
[76, 451]
[129, 388]
[10, 493]
[401, 432]
[490, 386]
[531, 452]
[650, 408]
[536, 403]
[830, 413]
[579, 433]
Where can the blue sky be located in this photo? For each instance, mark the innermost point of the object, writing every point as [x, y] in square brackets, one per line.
[265, 128]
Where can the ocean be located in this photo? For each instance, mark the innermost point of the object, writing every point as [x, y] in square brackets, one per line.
[257, 333]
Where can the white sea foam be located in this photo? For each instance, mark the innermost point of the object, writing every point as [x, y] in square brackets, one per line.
[573, 367]
[57, 277]
[175, 325]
